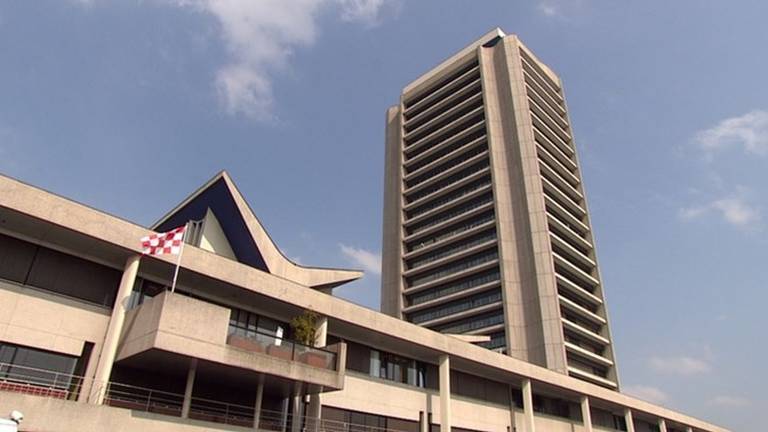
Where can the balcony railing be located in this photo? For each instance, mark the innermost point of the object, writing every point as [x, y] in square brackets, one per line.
[57, 385]
[260, 342]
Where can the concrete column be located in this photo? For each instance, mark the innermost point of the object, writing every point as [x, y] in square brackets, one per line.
[284, 414]
[688, 429]
[445, 393]
[629, 420]
[512, 424]
[314, 412]
[530, 426]
[109, 348]
[586, 414]
[321, 332]
[257, 404]
[315, 408]
[662, 425]
[188, 389]
[423, 422]
[296, 414]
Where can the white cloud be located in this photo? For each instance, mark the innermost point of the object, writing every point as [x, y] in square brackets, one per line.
[367, 12]
[749, 131]
[560, 8]
[548, 9]
[367, 260]
[730, 401]
[261, 36]
[680, 365]
[734, 210]
[646, 393]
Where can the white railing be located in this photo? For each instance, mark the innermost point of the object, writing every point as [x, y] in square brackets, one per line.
[51, 384]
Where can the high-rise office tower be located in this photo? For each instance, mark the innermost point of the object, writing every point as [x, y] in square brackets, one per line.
[486, 227]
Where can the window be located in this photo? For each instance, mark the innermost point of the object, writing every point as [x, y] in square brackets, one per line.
[248, 324]
[453, 287]
[453, 249]
[473, 323]
[454, 267]
[34, 366]
[556, 407]
[455, 307]
[40, 267]
[396, 368]
[144, 289]
[342, 420]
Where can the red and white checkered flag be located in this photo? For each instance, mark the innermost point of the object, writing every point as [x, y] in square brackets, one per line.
[164, 243]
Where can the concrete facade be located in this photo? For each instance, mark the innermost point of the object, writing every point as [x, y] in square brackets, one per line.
[486, 226]
[179, 365]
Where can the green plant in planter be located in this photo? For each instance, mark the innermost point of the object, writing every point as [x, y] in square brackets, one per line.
[304, 327]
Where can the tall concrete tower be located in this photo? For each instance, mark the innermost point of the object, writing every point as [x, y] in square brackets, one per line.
[486, 227]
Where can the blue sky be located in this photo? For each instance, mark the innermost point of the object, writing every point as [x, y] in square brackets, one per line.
[130, 105]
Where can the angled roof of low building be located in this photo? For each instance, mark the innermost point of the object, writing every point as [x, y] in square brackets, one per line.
[246, 235]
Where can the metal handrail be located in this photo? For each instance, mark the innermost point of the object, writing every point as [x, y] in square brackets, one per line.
[47, 383]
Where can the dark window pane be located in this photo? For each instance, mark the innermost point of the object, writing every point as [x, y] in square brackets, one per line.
[74, 277]
[15, 258]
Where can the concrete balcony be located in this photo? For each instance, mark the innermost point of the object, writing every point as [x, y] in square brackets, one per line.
[172, 326]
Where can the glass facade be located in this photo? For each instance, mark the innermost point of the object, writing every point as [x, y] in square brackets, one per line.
[451, 231]
[456, 306]
[449, 269]
[473, 323]
[454, 287]
[442, 184]
[451, 249]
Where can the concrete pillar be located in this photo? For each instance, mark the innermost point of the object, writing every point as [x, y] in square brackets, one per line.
[586, 414]
[109, 348]
[530, 426]
[284, 414]
[315, 408]
[188, 389]
[688, 429]
[321, 332]
[662, 425]
[423, 422]
[296, 410]
[445, 393]
[314, 412]
[257, 404]
[629, 420]
[512, 407]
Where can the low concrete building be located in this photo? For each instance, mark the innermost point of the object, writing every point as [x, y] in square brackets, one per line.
[92, 339]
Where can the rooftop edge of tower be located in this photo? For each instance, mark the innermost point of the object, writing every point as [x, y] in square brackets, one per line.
[460, 57]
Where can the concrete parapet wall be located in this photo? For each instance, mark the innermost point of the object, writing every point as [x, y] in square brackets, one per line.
[55, 415]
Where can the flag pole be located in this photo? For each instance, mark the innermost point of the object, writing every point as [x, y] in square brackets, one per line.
[178, 260]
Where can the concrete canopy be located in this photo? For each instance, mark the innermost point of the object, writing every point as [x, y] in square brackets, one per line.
[249, 240]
